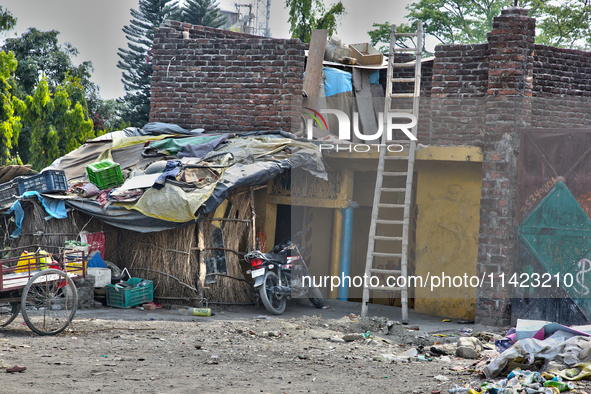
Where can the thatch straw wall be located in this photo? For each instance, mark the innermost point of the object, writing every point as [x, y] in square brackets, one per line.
[236, 237]
[54, 232]
[173, 252]
[165, 251]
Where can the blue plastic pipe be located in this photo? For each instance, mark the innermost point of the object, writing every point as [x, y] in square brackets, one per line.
[345, 263]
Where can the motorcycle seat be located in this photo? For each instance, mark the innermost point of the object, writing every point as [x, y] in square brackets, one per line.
[276, 257]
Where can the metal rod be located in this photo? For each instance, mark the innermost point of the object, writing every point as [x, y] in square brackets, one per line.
[230, 220]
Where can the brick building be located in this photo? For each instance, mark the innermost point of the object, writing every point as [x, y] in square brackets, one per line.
[478, 98]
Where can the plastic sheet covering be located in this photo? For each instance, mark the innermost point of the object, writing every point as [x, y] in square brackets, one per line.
[150, 129]
[174, 145]
[119, 216]
[259, 157]
[172, 203]
[337, 81]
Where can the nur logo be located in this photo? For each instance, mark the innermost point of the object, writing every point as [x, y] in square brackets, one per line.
[345, 124]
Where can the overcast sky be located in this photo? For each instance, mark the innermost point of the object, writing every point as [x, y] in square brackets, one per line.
[94, 27]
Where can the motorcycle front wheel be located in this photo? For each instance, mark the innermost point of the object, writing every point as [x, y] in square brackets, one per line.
[272, 303]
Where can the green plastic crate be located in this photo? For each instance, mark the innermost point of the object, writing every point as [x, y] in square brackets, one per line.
[131, 296]
[104, 174]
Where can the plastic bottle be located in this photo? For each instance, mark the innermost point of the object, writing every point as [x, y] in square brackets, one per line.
[463, 390]
[562, 386]
[460, 390]
[196, 312]
[143, 283]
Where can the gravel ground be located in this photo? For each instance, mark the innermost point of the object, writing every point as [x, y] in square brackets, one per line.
[237, 351]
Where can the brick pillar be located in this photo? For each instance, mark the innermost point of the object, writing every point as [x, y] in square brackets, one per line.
[508, 109]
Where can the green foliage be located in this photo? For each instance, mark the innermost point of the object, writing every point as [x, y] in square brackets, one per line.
[565, 23]
[57, 124]
[10, 106]
[136, 60]
[380, 37]
[39, 53]
[7, 20]
[202, 12]
[308, 15]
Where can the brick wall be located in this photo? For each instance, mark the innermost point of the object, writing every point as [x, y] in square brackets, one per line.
[511, 45]
[561, 72]
[460, 71]
[454, 111]
[224, 81]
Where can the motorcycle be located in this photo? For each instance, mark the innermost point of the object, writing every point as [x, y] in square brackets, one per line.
[278, 276]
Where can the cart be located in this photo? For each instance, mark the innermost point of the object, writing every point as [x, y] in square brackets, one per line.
[40, 286]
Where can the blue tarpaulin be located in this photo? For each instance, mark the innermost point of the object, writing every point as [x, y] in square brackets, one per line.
[337, 81]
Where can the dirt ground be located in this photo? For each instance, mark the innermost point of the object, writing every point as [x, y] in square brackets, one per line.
[237, 351]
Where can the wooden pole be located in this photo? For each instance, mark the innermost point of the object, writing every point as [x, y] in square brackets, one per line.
[336, 247]
[253, 229]
[202, 266]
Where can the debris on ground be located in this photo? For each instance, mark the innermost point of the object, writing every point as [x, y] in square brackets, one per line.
[468, 347]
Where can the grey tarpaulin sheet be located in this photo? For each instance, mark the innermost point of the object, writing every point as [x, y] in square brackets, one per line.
[123, 218]
[154, 128]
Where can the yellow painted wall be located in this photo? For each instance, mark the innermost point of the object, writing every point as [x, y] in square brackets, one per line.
[448, 199]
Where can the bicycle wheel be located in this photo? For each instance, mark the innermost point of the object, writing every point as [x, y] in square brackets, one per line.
[49, 302]
[8, 312]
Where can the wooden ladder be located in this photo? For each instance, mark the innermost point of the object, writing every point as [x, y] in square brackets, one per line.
[380, 204]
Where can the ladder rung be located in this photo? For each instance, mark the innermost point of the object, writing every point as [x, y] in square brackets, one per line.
[406, 50]
[405, 110]
[396, 157]
[394, 173]
[392, 189]
[397, 95]
[384, 238]
[402, 79]
[403, 65]
[384, 288]
[380, 271]
[390, 205]
[382, 221]
[380, 254]
[406, 34]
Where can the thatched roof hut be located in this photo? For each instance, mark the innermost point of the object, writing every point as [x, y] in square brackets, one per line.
[170, 235]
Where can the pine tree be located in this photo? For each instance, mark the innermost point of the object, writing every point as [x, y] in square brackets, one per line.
[136, 60]
[202, 12]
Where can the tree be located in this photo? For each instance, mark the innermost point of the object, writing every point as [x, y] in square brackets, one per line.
[308, 15]
[10, 106]
[7, 20]
[39, 53]
[565, 24]
[203, 13]
[136, 60]
[560, 23]
[58, 125]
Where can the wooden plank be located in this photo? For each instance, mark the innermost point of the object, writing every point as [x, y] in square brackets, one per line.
[202, 265]
[364, 100]
[336, 248]
[270, 226]
[9, 175]
[315, 62]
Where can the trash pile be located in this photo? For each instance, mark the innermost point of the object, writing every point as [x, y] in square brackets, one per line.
[519, 381]
[535, 356]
